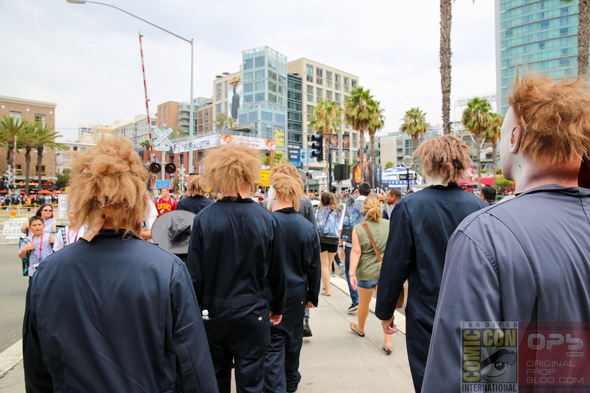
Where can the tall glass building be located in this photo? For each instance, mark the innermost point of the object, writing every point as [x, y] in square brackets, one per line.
[263, 106]
[535, 36]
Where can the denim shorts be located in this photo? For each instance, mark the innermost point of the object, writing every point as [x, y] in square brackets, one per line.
[367, 284]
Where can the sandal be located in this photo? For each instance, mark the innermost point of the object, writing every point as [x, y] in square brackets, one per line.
[355, 328]
[387, 348]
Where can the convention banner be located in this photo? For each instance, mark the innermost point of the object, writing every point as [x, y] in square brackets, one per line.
[202, 143]
[252, 143]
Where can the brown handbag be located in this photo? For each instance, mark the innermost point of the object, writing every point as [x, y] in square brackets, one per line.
[400, 299]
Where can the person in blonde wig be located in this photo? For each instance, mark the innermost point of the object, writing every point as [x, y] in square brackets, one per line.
[528, 259]
[235, 250]
[128, 301]
[415, 251]
[302, 268]
[365, 264]
[196, 200]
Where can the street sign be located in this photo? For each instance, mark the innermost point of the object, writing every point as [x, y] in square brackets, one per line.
[162, 183]
[161, 142]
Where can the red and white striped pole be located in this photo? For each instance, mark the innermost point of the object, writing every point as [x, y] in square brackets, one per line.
[147, 109]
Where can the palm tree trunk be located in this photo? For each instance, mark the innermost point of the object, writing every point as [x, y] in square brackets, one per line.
[415, 146]
[27, 169]
[9, 153]
[583, 36]
[362, 148]
[326, 144]
[478, 152]
[445, 62]
[372, 142]
[39, 162]
[494, 142]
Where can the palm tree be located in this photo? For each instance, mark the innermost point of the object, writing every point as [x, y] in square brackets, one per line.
[414, 124]
[583, 34]
[326, 114]
[145, 144]
[45, 136]
[476, 118]
[27, 140]
[389, 165]
[493, 135]
[377, 123]
[445, 61]
[220, 120]
[10, 128]
[360, 110]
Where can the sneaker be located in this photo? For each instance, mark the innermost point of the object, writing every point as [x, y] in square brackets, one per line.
[341, 269]
[306, 332]
[353, 307]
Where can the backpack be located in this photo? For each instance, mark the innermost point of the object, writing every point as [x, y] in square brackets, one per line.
[353, 215]
[328, 221]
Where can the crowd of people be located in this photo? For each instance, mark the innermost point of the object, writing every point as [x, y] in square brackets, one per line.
[232, 286]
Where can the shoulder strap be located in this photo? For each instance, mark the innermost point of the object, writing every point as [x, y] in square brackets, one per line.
[364, 224]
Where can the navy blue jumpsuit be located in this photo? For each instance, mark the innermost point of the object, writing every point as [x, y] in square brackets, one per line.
[116, 314]
[235, 250]
[421, 225]
[302, 267]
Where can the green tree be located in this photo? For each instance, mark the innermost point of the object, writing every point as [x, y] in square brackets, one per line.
[10, 128]
[377, 123]
[63, 178]
[220, 120]
[445, 53]
[145, 144]
[583, 34]
[477, 118]
[27, 139]
[326, 114]
[493, 135]
[45, 137]
[414, 124]
[389, 165]
[501, 182]
[360, 110]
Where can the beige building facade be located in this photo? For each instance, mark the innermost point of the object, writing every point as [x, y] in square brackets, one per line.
[321, 81]
[227, 95]
[31, 111]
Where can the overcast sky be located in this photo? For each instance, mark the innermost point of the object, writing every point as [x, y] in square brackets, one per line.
[86, 57]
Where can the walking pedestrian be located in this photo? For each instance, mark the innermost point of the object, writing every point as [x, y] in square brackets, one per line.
[302, 268]
[235, 250]
[112, 312]
[525, 261]
[424, 222]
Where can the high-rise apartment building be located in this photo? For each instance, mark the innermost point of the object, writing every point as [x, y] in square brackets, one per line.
[320, 81]
[536, 36]
[172, 114]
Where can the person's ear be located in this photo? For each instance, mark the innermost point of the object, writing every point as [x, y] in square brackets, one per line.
[515, 139]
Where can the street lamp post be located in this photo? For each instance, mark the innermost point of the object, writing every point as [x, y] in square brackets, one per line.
[407, 163]
[192, 104]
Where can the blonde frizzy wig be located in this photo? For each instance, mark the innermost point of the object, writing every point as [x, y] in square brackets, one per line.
[109, 181]
[554, 116]
[286, 188]
[195, 185]
[445, 156]
[232, 167]
[289, 170]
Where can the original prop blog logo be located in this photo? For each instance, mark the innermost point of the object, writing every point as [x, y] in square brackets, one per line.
[489, 356]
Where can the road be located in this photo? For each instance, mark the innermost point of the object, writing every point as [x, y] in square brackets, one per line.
[13, 289]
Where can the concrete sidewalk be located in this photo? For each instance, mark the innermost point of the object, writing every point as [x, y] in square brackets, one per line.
[335, 359]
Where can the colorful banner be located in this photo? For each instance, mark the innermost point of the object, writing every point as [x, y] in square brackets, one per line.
[280, 138]
[264, 178]
[252, 143]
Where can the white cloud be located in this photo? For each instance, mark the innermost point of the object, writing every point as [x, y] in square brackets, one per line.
[86, 57]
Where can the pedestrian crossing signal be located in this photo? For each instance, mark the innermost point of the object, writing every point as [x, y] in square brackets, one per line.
[155, 167]
[170, 169]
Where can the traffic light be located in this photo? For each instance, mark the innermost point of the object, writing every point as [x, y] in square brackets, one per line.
[155, 168]
[170, 168]
[317, 146]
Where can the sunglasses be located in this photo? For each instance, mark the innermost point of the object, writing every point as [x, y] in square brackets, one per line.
[45, 210]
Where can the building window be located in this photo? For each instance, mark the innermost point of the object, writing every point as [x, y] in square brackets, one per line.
[320, 93]
[353, 83]
[309, 69]
[542, 45]
[247, 76]
[37, 170]
[346, 81]
[309, 109]
[259, 97]
[16, 115]
[259, 74]
[564, 62]
[329, 75]
[564, 31]
[40, 119]
[309, 89]
[248, 97]
[18, 169]
[259, 61]
[218, 108]
[309, 78]
[218, 91]
[319, 72]
[328, 84]
[310, 97]
[248, 87]
[329, 95]
[544, 24]
[248, 64]
[564, 10]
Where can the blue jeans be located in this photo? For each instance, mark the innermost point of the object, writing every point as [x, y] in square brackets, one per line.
[354, 296]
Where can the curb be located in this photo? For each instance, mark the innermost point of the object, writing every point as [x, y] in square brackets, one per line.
[11, 357]
[400, 319]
